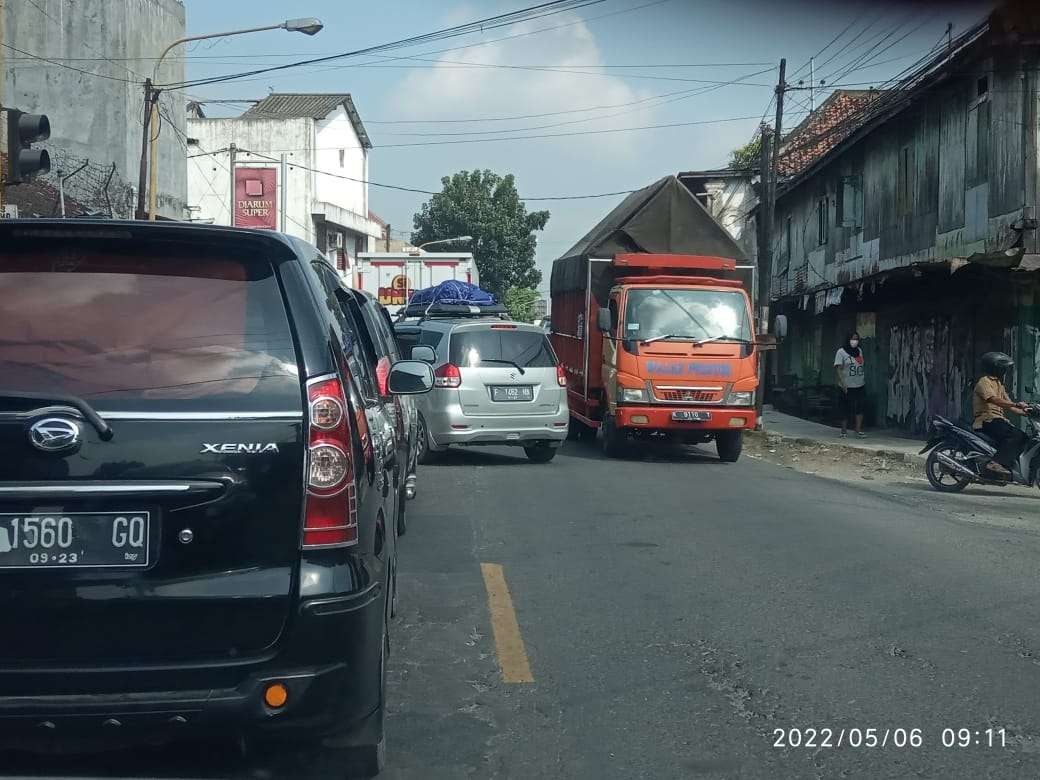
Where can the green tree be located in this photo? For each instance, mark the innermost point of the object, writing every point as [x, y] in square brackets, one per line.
[486, 206]
[521, 302]
[745, 158]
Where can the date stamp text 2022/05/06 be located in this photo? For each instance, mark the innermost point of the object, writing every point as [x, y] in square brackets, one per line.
[873, 737]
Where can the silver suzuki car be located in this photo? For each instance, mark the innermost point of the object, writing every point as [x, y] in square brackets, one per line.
[496, 382]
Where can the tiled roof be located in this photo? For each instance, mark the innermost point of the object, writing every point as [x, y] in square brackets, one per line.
[316, 105]
[825, 128]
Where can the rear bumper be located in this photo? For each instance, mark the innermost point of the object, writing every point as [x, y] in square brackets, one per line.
[450, 426]
[334, 688]
[659, 417]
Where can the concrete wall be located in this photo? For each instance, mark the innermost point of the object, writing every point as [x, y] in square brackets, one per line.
[209, 175]
[97, 117]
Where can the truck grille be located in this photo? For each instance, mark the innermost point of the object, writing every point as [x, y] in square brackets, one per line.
[691, 396]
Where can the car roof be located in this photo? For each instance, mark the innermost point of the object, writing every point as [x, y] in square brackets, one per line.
[159, 230]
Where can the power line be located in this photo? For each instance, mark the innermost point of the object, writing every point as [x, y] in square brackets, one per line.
[567, 134]
[829, 44]
[480, 25]
[66, 67]
[416, 190]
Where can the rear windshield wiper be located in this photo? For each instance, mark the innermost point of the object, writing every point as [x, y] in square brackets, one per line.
[77, 403]
[507, 362]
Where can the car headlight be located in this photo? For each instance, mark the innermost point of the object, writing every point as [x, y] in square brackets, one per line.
[741, 398]
[631, 394]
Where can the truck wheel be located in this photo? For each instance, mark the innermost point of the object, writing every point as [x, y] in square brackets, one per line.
[729, 444]
[613, 442]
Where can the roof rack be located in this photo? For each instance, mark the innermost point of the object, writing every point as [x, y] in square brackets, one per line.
[427, 311]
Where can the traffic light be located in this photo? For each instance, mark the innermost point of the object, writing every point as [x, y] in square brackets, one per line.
[24, 162]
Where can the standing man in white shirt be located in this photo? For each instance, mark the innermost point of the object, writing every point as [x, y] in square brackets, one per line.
[849, 369]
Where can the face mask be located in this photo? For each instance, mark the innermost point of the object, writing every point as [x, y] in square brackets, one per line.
[853, 343]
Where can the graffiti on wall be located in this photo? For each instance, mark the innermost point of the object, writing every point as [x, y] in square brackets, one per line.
[926, 374]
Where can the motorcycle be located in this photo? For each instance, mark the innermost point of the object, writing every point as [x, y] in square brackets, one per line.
[959, 456]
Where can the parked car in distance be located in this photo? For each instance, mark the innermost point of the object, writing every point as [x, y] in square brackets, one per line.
[194, 494]
[496, 382]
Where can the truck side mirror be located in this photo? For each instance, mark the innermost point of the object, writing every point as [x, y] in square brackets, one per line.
[765, 341]
[604, 320]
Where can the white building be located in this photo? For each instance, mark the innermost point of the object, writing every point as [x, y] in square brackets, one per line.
[729, 195]
[315, 150]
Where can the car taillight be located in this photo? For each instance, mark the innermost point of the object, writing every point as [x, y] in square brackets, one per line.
[447, 375]
[561, 376]
[330, 516]
[383, 376]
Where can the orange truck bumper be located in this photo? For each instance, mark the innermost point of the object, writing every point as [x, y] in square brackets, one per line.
[664, 417]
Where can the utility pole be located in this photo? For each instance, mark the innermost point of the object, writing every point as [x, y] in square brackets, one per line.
[232, 152]
[142, 176]
[812, 84]
[3, 141]
[387, 236]
[285, 193]
[769, 161]
[765, 264]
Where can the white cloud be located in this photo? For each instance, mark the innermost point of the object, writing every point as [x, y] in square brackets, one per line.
[448, 90]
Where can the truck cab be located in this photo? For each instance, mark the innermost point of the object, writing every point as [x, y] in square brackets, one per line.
[678, 360]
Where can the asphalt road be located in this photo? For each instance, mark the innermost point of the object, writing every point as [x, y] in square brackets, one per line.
[677, 614]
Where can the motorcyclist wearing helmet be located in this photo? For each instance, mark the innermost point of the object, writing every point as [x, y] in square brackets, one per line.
[990, 405]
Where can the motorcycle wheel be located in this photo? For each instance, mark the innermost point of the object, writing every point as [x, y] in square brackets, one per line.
[941, 478]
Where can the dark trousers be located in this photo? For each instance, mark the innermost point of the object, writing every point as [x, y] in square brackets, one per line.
[1010, 441]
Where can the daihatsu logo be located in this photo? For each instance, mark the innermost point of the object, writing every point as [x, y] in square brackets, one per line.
[255, 448]
[55, 434]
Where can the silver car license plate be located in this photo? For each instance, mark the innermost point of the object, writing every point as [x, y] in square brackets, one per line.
[512, 393]
[688, 416]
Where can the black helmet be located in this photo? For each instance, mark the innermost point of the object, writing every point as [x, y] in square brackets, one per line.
[997, 363]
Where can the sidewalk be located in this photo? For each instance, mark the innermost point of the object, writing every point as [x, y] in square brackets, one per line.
[801, 431]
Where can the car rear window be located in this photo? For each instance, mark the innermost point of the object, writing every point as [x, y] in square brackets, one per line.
[130, 326]
[523, 347]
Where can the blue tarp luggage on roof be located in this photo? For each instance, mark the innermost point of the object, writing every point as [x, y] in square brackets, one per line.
[454, 292]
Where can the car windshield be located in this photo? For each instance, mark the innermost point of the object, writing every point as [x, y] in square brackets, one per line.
[525, 348]
[125, 329]
[686, 314]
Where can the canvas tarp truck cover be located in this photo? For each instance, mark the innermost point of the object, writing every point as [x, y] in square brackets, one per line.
[664, 218]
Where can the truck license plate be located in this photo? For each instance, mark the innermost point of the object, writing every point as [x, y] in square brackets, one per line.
[688, 416]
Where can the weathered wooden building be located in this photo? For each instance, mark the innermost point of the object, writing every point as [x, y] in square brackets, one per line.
[916, 225]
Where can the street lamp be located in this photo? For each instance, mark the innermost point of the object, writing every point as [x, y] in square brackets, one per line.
[307, 26]
[445, 241]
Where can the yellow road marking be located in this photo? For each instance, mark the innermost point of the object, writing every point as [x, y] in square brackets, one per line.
[510, 646]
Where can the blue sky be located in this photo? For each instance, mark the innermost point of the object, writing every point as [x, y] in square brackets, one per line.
[636, 62]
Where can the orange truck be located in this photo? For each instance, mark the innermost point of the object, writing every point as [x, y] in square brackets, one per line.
[657, 345]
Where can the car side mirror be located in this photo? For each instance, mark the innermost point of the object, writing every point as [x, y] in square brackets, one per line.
[604, 320]
[424, 353]
[410, 377]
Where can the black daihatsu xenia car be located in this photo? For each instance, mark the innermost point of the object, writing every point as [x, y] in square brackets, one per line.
[195, 507]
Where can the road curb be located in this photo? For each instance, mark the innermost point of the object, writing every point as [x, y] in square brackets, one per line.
[774, 437]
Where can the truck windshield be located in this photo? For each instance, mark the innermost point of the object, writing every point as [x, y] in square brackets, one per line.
[686, 314]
